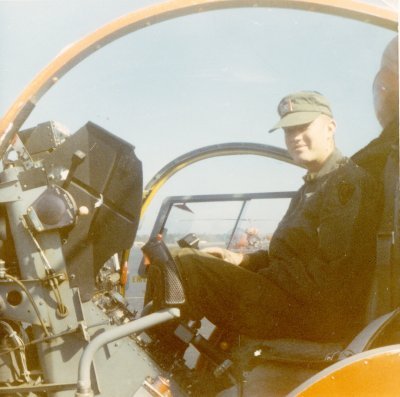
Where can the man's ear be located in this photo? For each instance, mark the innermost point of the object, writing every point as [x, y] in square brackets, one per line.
[332, 126]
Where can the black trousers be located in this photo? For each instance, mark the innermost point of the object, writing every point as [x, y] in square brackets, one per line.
[240, 300]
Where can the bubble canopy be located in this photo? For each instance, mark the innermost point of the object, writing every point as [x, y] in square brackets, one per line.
[213, 76]
[155, 14]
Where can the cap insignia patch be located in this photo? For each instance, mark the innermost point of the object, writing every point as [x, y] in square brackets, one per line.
[285, 106]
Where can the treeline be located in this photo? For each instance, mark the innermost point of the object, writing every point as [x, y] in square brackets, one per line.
[174, 237]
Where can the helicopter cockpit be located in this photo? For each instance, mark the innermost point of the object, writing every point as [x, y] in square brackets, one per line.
[195, 77]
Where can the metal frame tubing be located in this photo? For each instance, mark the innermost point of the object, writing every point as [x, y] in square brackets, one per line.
[222, 149]
[84, 387]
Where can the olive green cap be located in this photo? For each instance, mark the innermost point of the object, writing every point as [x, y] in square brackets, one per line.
[301, 108]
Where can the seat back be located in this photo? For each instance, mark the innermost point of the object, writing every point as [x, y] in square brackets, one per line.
[384, 293]
[381, 158]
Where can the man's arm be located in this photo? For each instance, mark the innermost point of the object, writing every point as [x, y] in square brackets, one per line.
[323, 263]
[235, 258]
[255, 261]
[251, 261]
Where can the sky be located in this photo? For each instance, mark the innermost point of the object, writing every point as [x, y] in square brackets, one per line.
[193, 81]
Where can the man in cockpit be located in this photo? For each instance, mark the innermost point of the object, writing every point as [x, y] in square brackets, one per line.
[313, 280]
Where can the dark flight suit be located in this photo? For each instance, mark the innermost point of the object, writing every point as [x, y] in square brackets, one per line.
[373, 157]
[313, 281]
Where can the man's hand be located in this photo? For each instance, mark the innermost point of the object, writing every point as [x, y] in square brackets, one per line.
[228, 256]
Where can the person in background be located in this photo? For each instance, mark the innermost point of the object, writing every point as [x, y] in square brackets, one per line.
[385, 90]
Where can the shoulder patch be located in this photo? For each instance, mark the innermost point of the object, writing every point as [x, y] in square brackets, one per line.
[345, 191]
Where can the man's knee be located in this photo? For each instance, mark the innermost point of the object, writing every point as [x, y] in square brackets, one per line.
[183, 252]
[191, 257]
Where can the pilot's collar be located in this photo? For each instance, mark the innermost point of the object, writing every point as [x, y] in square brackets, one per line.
[331, 163]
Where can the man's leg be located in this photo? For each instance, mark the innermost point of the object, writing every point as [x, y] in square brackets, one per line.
[236, 299]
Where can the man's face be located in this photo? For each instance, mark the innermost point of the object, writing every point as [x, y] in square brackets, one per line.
[386, 96]
[386, 85]
[311, 144]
